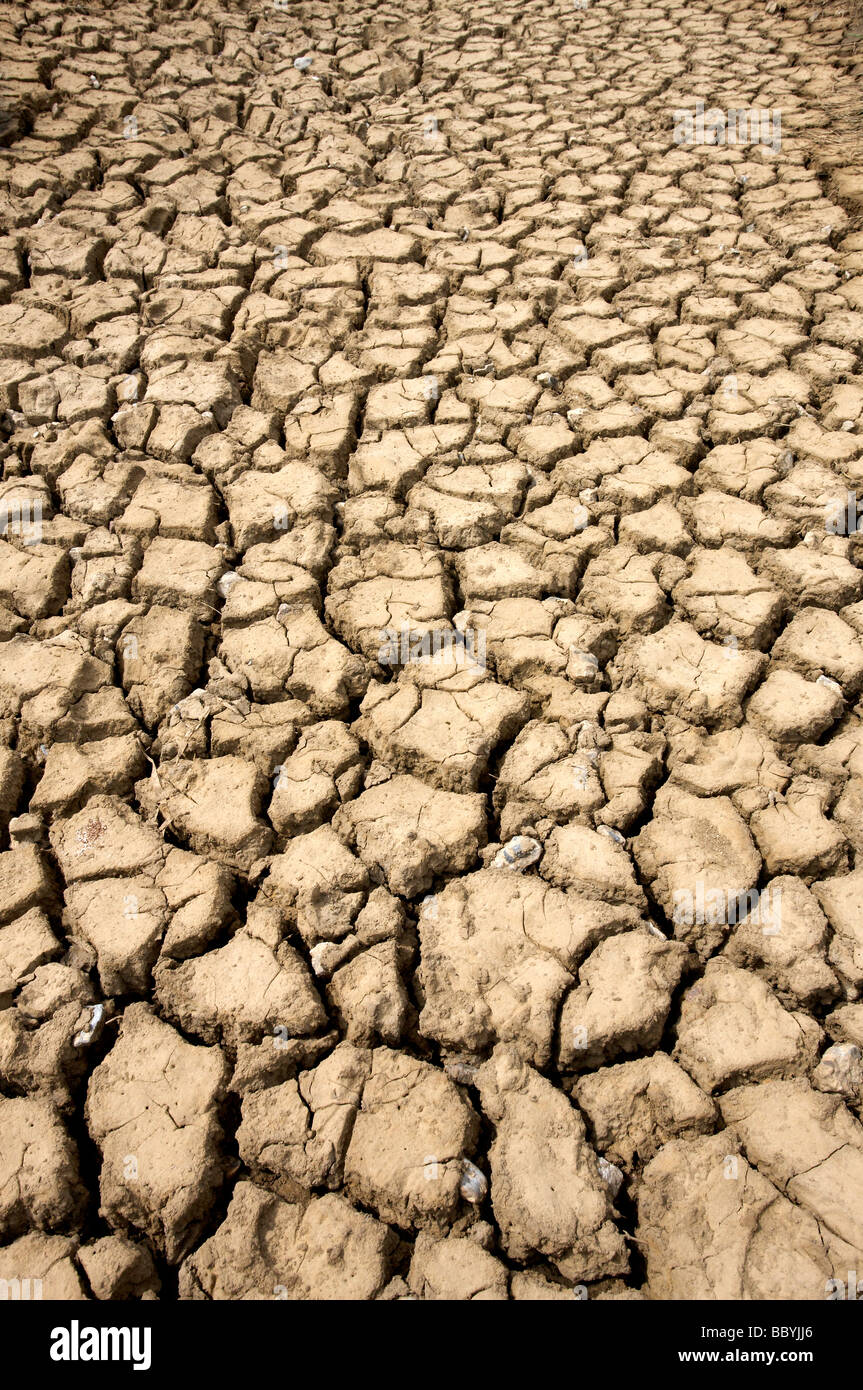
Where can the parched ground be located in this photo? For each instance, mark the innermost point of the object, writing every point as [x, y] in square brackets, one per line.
[431, 757]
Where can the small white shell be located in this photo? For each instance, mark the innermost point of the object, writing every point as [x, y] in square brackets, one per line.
[474, 1183]
[587, 735]
[518, 854]
[227, 582]
[840, 1070]
[302, 63]
[611, 1175]
[316, 956]
[462, 1072]
[86, 1034]
[612, 834]
[830, 683]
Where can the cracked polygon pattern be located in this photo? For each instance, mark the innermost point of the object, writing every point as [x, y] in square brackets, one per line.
[431, 649]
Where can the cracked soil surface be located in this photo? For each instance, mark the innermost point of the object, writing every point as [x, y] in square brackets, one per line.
[431, 652]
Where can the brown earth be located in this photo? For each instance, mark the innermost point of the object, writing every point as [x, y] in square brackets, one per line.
[431, 651]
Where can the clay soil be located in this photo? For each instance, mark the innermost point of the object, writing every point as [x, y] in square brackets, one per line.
[431, 651]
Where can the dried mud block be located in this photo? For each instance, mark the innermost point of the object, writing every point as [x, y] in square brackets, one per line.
[819, 643]
[699, 859]
[152, 1112]
[25, 882]
[622, 1000]
[299, 1131]
[732, 1028]
[324, 769]
[39, 1182]
[296, 656]
[547, 773]
[676, 671]
[160, 654]
[840, 900]
[795, 836]
[634, 1108]
[413, 1129]
[104, 839]
[498, 951]
[369, 996]
[176, 907]
[811, 1147]
[241, 991]
[409, 833]
[180, 574]
[713, 1227]
[73, 774]
[791, 710]
[25, 943]
[787, 944]
[456, 1269]
[215, 804]
[720, 764]
[388, 587]
[592, 864]
[42, 1266]
[11, 785]
[118, 1268]
[725, 599]
[546, 1190]
[43, 1057]
[440, 721]
[267, 1248]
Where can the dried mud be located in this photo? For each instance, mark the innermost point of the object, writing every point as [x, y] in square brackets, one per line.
[431, 653]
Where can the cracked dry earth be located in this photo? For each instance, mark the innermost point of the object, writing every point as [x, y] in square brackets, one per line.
[415, 586]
